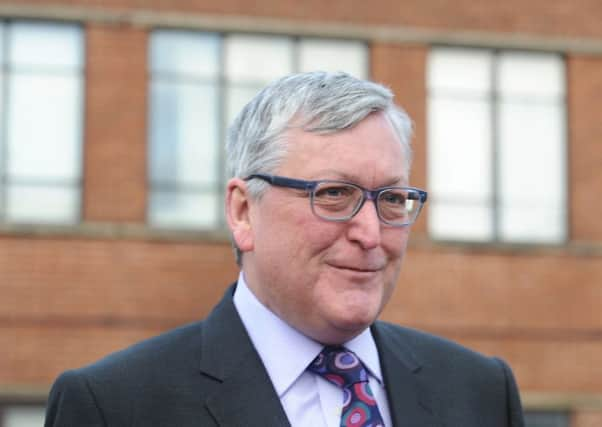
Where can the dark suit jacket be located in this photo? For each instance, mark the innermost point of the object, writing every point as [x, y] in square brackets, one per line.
[209, 374]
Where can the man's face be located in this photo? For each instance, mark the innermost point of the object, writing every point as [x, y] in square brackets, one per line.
[329, 280]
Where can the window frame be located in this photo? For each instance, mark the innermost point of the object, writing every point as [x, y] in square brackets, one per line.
[7, 72]
[29, 402]
[223, 84]
[493, 101]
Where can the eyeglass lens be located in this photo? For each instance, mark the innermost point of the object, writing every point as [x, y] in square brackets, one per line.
[339, 201]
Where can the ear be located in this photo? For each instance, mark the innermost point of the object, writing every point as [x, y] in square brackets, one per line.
[237, 214]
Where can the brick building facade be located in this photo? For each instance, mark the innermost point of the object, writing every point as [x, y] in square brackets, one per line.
[73, 292]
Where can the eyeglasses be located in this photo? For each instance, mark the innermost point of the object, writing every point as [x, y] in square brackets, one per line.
[340, 201]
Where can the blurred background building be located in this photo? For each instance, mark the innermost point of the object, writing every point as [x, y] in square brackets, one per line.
[112, 120]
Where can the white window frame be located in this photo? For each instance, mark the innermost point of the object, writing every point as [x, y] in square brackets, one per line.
[495, 232]
[224, 112]
[43, 182]
[541, 418]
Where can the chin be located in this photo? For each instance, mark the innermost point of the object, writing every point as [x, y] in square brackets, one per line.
[357, 323]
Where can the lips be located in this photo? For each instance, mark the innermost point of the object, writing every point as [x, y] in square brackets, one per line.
[358, 268]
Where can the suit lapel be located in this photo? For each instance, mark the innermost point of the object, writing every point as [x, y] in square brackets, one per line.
[243, 394]
[410, 401]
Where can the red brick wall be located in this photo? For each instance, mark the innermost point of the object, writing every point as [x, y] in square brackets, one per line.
[75, 300]
[540, 312]
[403, 68]
[66, 301]
[587, 418]
[547, 17]
[115, 136]
[585, 153]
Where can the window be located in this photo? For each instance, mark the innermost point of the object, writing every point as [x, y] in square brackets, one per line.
[22, 415]
[41, 68]
[546, 419]
[199, 82]
[496, 146]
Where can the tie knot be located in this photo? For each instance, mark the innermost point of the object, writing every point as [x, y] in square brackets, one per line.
[339, 366]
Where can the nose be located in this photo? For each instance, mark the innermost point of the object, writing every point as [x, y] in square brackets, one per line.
[365, 228]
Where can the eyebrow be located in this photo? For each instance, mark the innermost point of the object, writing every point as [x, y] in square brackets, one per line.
[341, 176]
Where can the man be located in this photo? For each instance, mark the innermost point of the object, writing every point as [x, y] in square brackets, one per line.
[319, 207]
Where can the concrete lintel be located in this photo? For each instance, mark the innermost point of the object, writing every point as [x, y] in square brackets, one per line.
[377, 33]
[113, 231]
[24, 393]
[561, 401]
[139, 231]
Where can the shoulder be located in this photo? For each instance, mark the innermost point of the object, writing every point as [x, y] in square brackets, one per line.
[177, 346]
[160, 360]
[463, 378]
[463, 381]
[174, 351]
[441, 357]
[106, 389]
[425, 346]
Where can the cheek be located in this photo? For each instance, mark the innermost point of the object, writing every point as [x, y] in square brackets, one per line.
[291, 241]
[320, 242]
[395, 242]
[311, 236]
[394, 246]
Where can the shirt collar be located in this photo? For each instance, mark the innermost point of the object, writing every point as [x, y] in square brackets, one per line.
[364, 347]
[286, 352]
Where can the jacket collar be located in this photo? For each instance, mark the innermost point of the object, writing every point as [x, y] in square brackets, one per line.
[410, 400]
[245, 395]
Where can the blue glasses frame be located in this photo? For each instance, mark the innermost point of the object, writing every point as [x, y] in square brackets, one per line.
[310, 186]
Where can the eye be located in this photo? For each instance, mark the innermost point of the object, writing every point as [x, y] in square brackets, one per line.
[330, 197]
[334, 191]
[393, 197]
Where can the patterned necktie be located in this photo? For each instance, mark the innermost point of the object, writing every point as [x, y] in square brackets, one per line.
[344, 369]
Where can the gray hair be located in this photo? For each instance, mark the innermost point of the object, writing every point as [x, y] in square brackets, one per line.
[318, 102]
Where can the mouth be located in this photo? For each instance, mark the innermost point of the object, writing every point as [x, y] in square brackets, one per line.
[357, 269]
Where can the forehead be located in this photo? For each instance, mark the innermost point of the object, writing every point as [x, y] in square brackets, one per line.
[370, 153]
